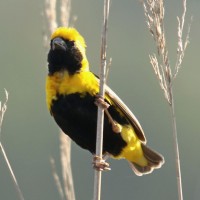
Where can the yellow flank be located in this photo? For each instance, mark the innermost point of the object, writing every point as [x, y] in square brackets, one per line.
[64, 84]
[133, 151]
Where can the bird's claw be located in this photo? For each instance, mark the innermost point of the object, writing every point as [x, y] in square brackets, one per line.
[100, 164]
[99, 101]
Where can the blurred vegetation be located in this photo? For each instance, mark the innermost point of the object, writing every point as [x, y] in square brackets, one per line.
[29, 134]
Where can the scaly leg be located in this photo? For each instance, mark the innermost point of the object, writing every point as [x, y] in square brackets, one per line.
[117, 128]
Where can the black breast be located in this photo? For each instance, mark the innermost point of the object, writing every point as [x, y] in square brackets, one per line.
[77, 117]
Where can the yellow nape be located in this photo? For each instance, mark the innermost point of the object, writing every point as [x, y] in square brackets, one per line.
[64, 84]
[133, 151]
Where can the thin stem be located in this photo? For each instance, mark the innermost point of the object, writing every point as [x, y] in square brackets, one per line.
[2, 112]
[154, 13]
[11, 173]
[67, 191]
[100, 115]
[176, 147]
[65, 11]
[65, 154]
[56, 178]
[65, 141]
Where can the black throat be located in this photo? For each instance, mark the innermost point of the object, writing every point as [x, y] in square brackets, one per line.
[65, 59]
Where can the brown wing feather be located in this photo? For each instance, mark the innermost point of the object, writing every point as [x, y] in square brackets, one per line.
[127, 112]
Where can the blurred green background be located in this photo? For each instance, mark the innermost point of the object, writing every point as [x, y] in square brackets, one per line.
[29, 134]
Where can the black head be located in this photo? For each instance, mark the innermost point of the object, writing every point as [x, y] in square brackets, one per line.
[64, 55]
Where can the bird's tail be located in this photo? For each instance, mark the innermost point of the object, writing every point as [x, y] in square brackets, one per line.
[154, 161]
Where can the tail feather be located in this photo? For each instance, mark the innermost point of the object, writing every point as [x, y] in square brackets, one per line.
[154, 161]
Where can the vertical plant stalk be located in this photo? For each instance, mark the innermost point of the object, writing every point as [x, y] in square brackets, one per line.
[57, 179]
[2, 150]
[154, 13]
[100, 115]
[65, 155]
[50, 16]
[65, 10]
[176, 148]
[65, 185]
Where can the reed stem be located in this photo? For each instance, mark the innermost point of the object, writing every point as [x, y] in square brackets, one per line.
[100, 115]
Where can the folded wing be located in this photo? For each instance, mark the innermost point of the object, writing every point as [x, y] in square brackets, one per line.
[127, 112]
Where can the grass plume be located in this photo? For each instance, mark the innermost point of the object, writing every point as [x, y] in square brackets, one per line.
[166, 74]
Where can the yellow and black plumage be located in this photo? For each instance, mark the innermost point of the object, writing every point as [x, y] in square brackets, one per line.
[71, 90]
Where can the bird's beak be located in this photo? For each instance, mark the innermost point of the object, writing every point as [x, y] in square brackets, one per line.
[59, 43]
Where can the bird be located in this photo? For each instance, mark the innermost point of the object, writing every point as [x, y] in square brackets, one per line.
[72, 96]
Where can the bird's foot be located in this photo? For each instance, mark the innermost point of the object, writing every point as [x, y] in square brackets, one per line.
[99, 101]
[100, 164]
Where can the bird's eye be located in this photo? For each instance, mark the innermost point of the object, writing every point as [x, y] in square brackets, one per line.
[70, 44]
